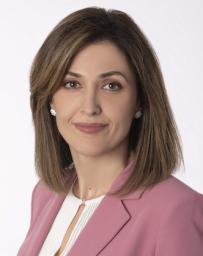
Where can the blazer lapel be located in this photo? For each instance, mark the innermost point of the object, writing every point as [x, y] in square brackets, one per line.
[107, 221]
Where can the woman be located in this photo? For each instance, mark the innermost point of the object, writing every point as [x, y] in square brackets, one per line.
[106, 145]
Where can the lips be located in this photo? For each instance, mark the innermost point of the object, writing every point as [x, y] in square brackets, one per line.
[90, 127]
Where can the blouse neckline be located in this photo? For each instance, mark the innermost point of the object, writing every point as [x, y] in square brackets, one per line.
[88, 201]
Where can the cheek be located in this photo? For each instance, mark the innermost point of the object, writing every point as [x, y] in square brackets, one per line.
[64, 109]
[123, 108]
[122, 119]
[64, 104]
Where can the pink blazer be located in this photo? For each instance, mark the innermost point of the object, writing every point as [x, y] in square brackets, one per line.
[166, 220]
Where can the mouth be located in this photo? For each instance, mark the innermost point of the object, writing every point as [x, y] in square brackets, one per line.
[90, 127]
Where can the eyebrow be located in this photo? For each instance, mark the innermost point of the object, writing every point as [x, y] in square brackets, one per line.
[103, 75]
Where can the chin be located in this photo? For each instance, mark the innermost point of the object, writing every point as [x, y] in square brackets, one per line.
[90, 151]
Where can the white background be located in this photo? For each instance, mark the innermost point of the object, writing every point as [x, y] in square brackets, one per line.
[175, 29]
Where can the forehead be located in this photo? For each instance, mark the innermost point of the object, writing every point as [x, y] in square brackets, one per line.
[100, 57]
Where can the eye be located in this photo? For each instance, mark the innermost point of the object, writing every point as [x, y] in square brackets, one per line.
[114, 86]
[70, 84]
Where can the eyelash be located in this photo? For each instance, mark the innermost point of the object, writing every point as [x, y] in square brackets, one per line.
[72, 81]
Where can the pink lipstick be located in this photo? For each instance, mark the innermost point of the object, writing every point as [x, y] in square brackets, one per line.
[90, 127]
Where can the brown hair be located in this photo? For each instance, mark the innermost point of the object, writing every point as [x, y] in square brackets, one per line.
[153, 138]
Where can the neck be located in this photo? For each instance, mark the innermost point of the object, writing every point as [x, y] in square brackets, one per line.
[89, 183]
[76, 191]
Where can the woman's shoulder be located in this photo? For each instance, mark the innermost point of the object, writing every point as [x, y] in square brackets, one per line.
[41, 193]
[42, 188]
[173, 188]
[175, 198]
[180, 211]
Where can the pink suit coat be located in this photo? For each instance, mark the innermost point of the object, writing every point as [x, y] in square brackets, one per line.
[165, 220]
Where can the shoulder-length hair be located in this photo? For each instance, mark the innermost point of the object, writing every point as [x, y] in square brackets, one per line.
[153, 138]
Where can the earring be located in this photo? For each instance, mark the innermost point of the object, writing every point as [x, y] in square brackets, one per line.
[138, 114]
[53, 112]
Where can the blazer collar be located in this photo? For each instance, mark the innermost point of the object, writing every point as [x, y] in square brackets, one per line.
[122, 178]
[108, 219]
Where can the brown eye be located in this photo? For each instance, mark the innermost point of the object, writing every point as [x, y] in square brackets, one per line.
[70, 84]
[114, 86]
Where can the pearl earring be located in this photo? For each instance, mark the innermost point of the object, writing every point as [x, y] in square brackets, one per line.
[53, 112]
[138, 114]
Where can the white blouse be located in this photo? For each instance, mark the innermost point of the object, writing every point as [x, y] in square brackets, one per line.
[62, 221]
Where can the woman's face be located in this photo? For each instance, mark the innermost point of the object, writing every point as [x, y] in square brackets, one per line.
[88, 96]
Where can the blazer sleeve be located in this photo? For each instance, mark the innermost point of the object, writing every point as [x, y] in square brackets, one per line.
[181, 232]
[33, 215]
[32, 219]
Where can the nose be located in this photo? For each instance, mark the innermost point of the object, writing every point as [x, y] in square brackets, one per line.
[90, 105]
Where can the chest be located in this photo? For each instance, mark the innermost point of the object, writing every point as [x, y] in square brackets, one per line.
[70, 229]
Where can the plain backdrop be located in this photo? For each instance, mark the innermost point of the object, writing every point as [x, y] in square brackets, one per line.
[175, 30]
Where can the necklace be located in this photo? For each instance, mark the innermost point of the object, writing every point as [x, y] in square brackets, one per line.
[82, 199]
